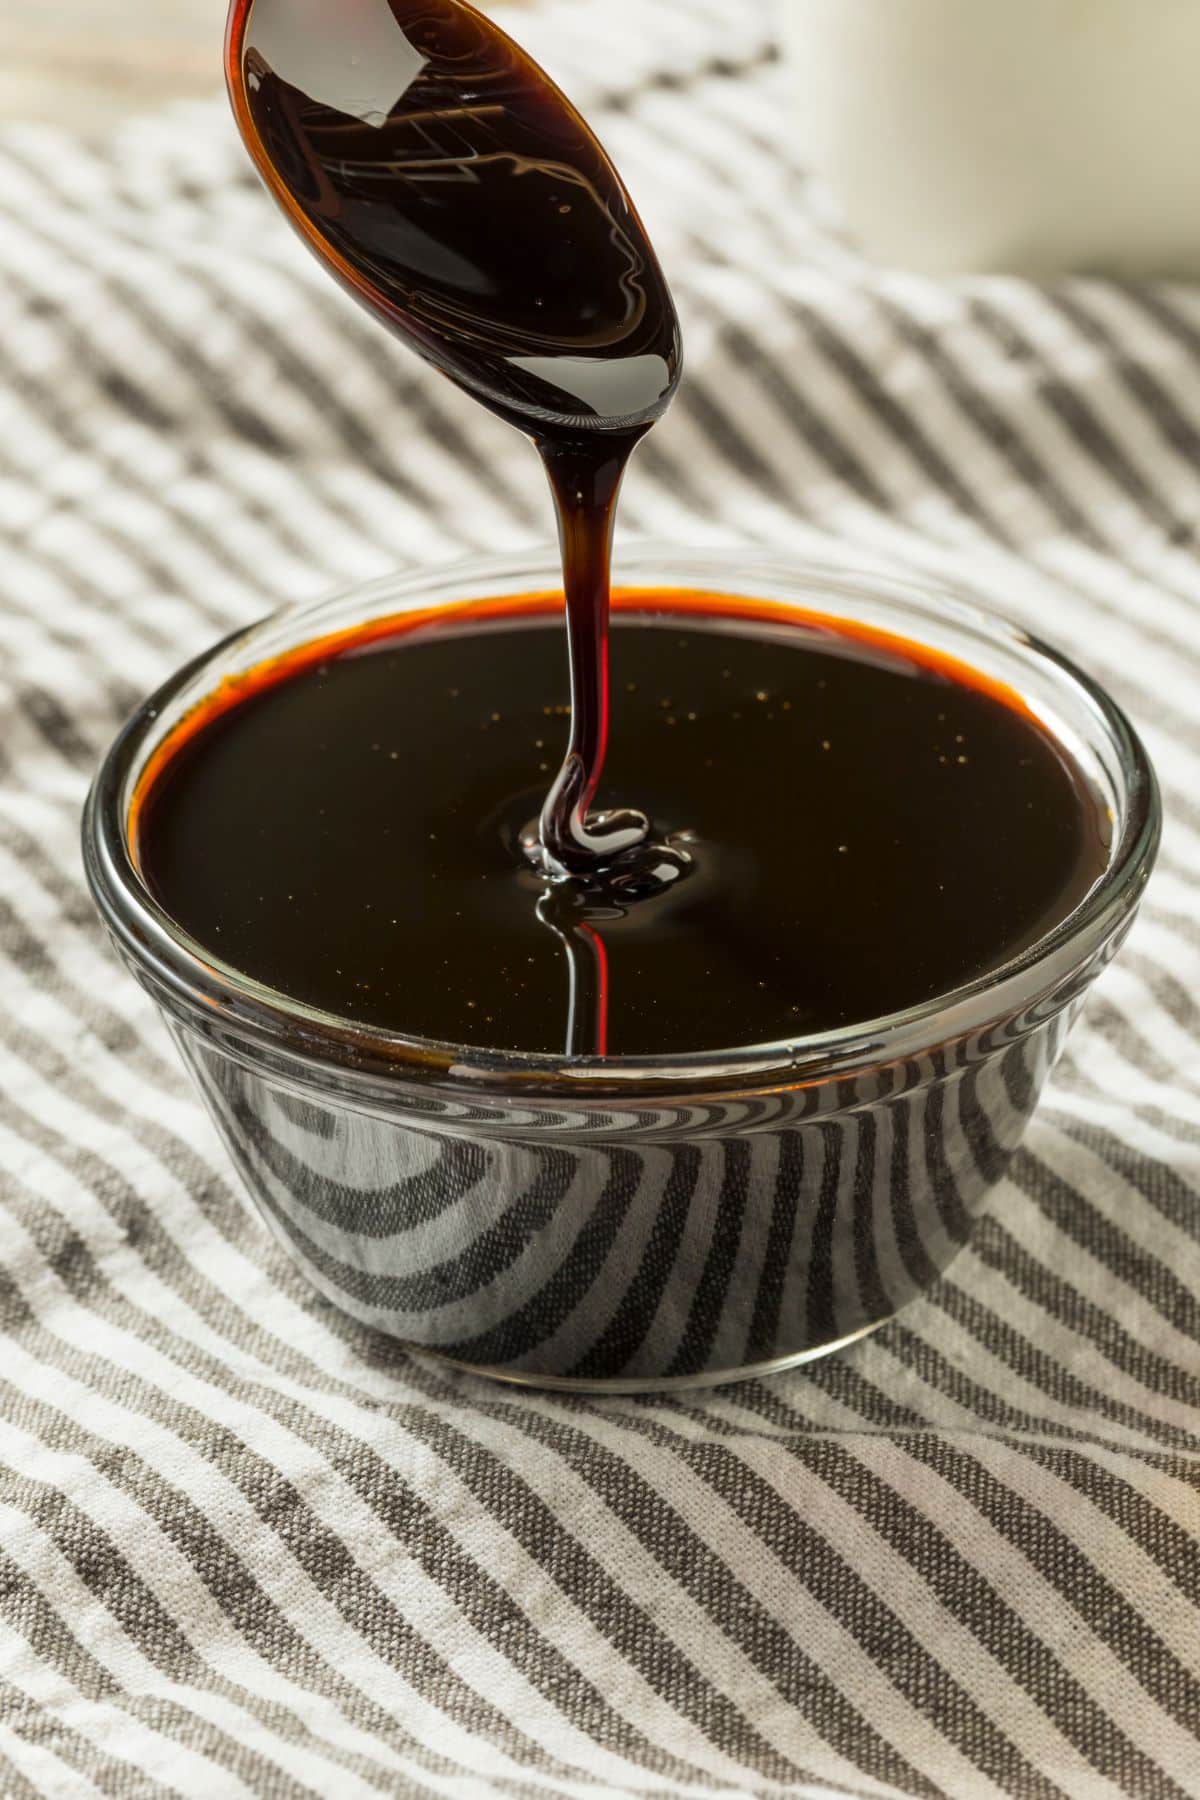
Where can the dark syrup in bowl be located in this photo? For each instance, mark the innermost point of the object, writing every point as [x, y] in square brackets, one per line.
[868, 827]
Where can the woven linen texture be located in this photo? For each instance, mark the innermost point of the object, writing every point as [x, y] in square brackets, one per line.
[247, 1548]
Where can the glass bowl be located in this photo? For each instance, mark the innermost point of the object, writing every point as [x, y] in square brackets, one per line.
[632, 1223]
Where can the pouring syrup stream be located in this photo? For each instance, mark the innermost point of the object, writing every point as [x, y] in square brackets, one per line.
[446, 182]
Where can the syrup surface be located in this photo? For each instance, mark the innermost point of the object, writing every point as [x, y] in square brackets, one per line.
[869, 828]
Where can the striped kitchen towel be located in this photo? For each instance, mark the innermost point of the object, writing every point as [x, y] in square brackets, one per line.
[247, 1549]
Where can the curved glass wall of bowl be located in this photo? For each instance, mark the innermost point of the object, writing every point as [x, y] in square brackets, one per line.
[630, 1223]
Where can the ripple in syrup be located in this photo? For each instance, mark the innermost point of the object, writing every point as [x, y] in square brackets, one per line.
[447, 183]
[876, 828]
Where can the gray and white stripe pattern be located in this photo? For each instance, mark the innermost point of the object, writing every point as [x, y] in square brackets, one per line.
[247, 1547]
[629, 1243]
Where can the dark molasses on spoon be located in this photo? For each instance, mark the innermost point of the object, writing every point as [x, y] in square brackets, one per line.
[452, 189]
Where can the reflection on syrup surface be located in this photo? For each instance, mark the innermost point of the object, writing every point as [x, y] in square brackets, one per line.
[868, 828]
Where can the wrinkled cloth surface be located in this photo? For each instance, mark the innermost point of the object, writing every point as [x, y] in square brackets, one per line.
[247, 1548]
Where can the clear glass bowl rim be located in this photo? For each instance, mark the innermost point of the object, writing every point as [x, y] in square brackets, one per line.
[179, 969]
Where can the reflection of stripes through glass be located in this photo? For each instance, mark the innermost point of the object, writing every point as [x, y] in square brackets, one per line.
[668, 1250]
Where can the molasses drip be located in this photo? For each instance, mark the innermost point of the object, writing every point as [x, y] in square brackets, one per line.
[449, 185]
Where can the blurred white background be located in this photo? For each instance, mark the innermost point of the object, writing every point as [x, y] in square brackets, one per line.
[85, 63]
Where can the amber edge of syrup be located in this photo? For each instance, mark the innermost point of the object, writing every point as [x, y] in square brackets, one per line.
[273, 671]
